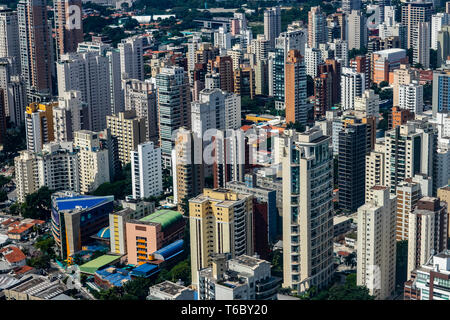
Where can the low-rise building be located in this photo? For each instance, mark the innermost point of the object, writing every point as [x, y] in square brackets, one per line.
[241, 278]
[170, 291]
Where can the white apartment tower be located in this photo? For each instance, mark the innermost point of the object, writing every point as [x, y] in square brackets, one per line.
[272, 24]
[376, 245]
[146, 171]
[87, 72]
[132, 58]
[93, 160]
[307, 171]
[352, 86]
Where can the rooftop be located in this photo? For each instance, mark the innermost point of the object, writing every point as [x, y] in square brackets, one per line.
[92, 266]
[169, 288]
[163, 217]
[80, 202]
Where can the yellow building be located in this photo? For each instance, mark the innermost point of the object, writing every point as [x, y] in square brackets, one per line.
[221, 221]
[444, 194]
[129, 130]
[39, 125]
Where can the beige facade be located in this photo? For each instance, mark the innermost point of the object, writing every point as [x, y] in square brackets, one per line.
[408, 193]
[375, 169]
[221, 221]
[129, 130]
[25, 169]
[93, 161]
[376, 245]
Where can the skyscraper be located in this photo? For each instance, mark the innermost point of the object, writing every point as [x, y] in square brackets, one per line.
[39, 125]
[146, 172]
[36, 51]
[376, 244]
[351, 166]
[174, 105]
[296, 110]
[220, 222]
[68, 24]
[412, 13]
[317, 25]
[307, 173]
[272, 24]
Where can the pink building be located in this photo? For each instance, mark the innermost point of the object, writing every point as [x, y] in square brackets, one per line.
[151, 233]
[235, 28]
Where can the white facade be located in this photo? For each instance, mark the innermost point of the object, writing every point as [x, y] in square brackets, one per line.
[437, 21]
[313, 57]
[146, 171]
[93, 160]
[411, 97]
[352, 85]
[68, 116]
[132, 58]
[89, 73]
[357, 30]
[376, 245]
[369, 103]
[9, 38]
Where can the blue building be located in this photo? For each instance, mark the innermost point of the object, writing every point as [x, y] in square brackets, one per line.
[75, 218]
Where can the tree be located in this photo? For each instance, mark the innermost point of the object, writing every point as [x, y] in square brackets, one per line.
[297, 126]
[131, 24]
[46, 246]
[383, 84]
[182, 271]
[433, 59]
[38, 204]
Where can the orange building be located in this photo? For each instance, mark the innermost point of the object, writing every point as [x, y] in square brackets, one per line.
[385, 61]
[295, 88]
[399, 117]
[151, 233]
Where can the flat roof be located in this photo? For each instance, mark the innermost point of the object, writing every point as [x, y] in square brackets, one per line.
[92, 266]
[164, 217]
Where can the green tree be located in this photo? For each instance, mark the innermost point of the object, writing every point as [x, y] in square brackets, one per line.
[38, 204]
[182, 271]
[297, 126]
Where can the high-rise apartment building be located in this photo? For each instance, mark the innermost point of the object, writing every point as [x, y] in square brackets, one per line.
[295, 98]
[413, 13]
[357, 30]
[427, 232]
[375, 169]
[9, 38]
[141, 97]
[39, 125]
[68, 25]
[376, 245]
[313, 58]
[128, 130]
[88, 72]
[438, 20]
[352, 166]
[25, 170]
[132, 58]
[352, 86]
[187, 167]
[441, 80]
[93, 160]
[244, 82]
[174, 106]
[384, 62]
[404, 75]
[272, 24]
[317, 26]
[146, 171]
[408, 193]
[223, 65]
[421, 44]
[36, 51]
[307, 172]
[220, 222]
[69, 115]
[410, 97]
